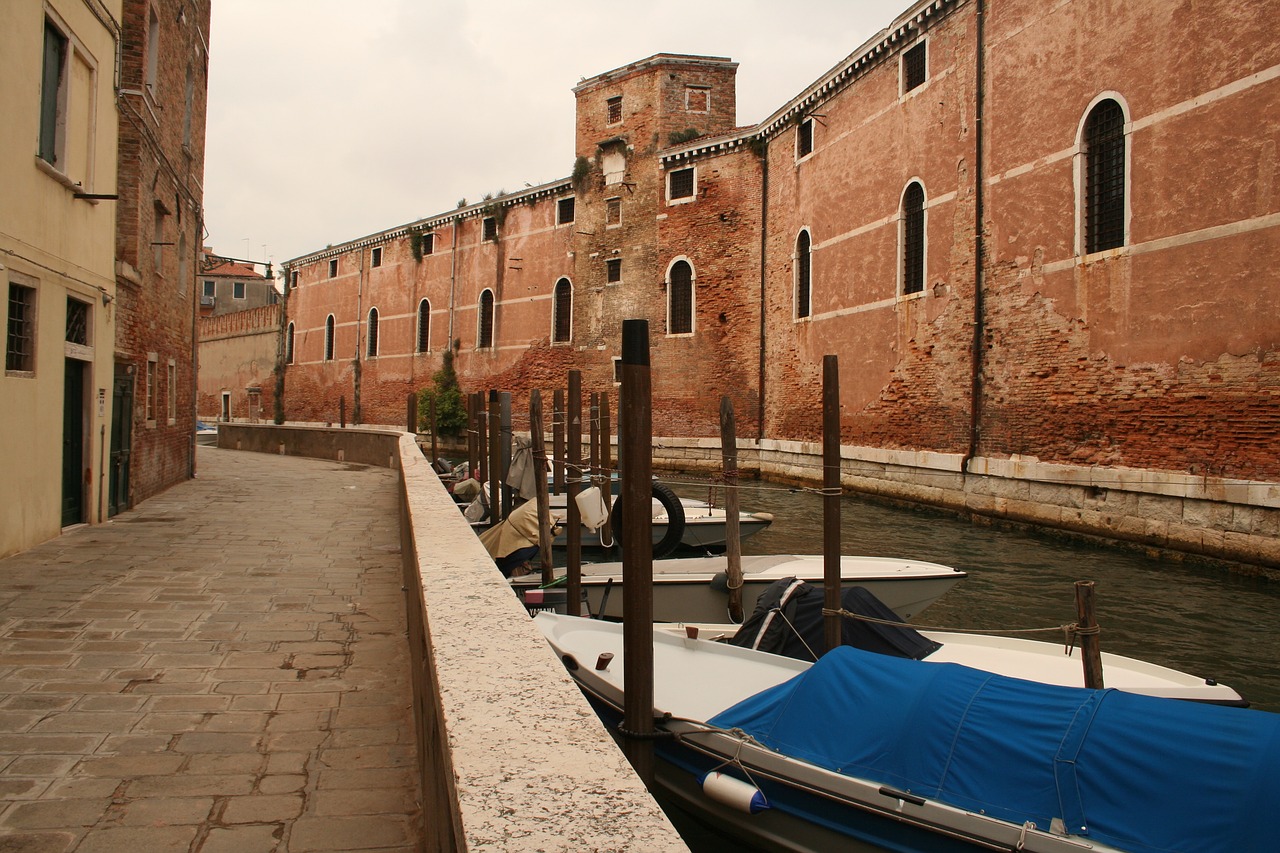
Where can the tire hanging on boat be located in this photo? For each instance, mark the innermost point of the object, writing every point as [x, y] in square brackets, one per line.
[675, 521]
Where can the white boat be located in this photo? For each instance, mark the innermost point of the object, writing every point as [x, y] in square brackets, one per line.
[693, 589]
[782, 754]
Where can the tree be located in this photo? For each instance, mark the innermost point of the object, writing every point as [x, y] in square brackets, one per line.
[451, 413]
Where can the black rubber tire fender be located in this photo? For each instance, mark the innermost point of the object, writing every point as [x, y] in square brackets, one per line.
[675, 521]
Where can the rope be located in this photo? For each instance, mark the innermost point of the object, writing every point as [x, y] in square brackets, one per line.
[1070, 631]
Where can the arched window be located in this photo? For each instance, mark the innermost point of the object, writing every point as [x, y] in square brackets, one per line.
[680, 299]
[804, 273]
[1104, 178]
[913, 239]
[484, 335]
[562, 321]
[328, 338]
[424, 327]
[371, 336]
[288, 345]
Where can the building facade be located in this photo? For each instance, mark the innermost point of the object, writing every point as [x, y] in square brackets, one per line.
[57, 154]
[1038, 240]
[239, 354]
[228, 285]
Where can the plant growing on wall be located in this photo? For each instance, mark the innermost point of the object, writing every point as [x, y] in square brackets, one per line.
[415, 245]
[451, 414]
[679, 137]
[581, 168]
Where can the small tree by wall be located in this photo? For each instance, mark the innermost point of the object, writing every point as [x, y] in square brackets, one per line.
[451, 414]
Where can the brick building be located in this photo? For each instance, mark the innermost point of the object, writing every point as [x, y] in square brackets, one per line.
[238, 355]
[1036, 238]
[159, 235]
[228, 285]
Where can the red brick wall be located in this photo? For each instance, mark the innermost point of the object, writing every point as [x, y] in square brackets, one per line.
[237, 351]
[158, 162]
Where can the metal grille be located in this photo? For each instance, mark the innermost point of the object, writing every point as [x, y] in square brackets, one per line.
[913, 239]
[804, 138]
[614, 110]
[681, 184]
[613, 270]
[77, 322]
[288, 345]
[371, 339]
[914, 68]
[486, 320]
[328, 338]
[564, 211]
[564, 310]
[19, 353]
[680, 298]
[1104, 185]
[428, 244]
[424, 326]
[803, 273]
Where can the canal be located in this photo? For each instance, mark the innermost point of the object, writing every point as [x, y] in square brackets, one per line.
[1200, 619]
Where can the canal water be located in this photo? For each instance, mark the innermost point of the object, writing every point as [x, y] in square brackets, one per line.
[1199, 619]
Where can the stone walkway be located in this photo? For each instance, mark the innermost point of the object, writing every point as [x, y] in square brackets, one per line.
[224, 668]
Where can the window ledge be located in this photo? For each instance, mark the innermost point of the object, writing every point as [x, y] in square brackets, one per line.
[20, 374]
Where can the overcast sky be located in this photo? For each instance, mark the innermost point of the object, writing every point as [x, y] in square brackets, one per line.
[333, 119]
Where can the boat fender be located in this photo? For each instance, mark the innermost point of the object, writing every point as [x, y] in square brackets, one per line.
[720, 582]
[733, 792]
[675, 521]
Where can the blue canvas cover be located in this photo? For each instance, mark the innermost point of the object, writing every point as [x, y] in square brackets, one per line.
[1136, 772]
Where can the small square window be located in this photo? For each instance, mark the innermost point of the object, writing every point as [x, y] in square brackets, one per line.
[293, 279]
[333, 268]
[490, 229]
[237, 290]
[613, 110]
[697, 99]
[612, 212]
[804, 139]
[564, 211]
[209, 288]
[375, 256]
[680, 184]
[915, 68]
[613, 270]
[428, 244]
[20, 344]
[173, 392]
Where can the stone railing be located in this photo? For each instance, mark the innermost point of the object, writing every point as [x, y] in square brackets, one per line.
[512, 756]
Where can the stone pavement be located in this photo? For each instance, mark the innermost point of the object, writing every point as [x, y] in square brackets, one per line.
[224, 668]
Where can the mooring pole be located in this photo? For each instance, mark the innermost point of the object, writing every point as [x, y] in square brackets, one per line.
[732, 540]
[1090, 648]
[342, 411]
[593, 452]
[606, 465]
[540, 490]
[573, 531]
[557, 441]
[504, 407]
[435, 447]
[411, 413]
[635, 455]
[831, 497]
[495, 460]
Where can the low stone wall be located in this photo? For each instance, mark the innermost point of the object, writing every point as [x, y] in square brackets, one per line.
[512, 755]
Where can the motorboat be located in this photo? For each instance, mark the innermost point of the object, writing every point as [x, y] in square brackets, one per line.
[695, 589]
[912, 755]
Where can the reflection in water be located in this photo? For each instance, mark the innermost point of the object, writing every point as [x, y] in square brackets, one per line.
[1201, 620]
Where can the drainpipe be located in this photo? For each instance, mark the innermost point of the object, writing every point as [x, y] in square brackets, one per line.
[453, 278]
[355, 401]
[979, 245]
[764, 241]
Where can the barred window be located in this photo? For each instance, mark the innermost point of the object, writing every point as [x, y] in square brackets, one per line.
[804, 138]
[562, 321]
[564, 211]
[680, 299]
[490, 229]
[333, 268]
[328, 338]
[803, 273]
[1104, 177]
[613, 270]
[680, 184]
[428, 243]
[915, 69]
[20, 344]
[375, 257]
[613, 110]
[288, 345]
[424, 327]
[485, 335]
[913, 239]
[77, 322]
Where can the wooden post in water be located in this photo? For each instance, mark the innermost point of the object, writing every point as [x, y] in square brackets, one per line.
[539, 449]
[411, 413]
[573, 531]
[831, 497]
[635, 456]
[593, 450]
[557, 441]
[435, 431]
[495, 460]
[1090, 648]
[732, 538]
[504, 408]
[606, 466]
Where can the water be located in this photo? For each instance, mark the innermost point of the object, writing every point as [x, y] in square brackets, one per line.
[1198, 619]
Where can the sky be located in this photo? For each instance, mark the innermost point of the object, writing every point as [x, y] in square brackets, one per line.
[330, 120]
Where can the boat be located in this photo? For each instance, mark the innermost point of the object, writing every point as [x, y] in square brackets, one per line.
[694, 589]
[782, 754]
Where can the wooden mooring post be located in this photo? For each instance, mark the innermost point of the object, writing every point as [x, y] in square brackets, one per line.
[495, 460]
[411, 413]
[573, 521]
[1087, 624]
[831, 497]
[636, 458]
[606, 467]
[557, 441]
[538, 447]
[732, 537]
[435, 431]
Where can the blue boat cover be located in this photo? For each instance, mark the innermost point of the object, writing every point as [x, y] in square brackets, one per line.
[1136, 772]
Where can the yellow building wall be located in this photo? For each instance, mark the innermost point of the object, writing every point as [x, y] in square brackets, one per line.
[62, 247]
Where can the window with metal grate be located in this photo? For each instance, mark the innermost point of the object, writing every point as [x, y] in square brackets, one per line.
[562, 322]
[424, 326]
[680, 300]
[913, 239]
[915, 67]
[485, 336]
[680, 184]
[804, 272]
[1104, 181]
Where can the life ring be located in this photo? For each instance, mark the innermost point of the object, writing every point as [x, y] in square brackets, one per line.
[675, 521]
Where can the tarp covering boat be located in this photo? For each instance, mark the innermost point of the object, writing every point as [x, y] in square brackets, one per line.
[1136, 772]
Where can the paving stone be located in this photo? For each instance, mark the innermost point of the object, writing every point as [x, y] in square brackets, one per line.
[262, 808]
[241, 839]
[132, 839]
[315, 834]
[37, 842]
[165, 811]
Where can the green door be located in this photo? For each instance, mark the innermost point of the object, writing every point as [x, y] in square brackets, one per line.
[73, 410]
[121, 444]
